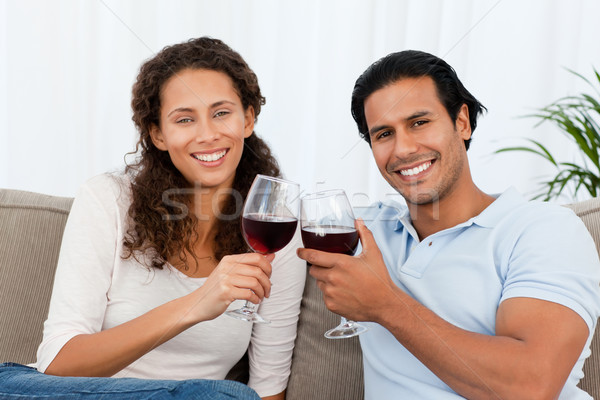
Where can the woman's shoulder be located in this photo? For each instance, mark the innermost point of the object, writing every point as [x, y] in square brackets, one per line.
[108, 191]
[109, 184]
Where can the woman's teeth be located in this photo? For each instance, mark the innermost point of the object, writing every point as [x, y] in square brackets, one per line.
[210, 157]
[415, 170]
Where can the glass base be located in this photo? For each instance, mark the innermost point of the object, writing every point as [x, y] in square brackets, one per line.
[247, 314]
[346, 329]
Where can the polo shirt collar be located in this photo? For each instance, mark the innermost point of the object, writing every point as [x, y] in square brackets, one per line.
[504, 203]
[489, 218]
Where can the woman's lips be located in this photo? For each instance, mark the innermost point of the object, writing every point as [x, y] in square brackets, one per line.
[211, 157]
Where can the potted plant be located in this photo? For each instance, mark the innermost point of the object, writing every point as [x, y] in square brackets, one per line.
[578, 118]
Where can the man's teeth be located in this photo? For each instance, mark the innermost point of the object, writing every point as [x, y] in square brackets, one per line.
[210, 157]
[415, 170]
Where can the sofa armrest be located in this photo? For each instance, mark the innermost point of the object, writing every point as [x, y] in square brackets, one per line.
[589, 212]
[31, 228]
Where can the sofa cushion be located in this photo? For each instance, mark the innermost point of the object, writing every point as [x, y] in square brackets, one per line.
[31, 228]
[323, 368]
[589, 212]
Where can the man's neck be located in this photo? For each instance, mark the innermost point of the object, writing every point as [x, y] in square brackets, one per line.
[451, 210]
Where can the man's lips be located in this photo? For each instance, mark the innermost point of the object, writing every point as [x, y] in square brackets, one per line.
[210, 156]
[415, 169]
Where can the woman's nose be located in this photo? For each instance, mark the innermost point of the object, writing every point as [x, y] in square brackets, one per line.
[206, 132]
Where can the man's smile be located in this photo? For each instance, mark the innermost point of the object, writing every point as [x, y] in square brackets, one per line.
[415, 170]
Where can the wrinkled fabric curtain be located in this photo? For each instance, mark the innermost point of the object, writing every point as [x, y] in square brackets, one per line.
[67, 67]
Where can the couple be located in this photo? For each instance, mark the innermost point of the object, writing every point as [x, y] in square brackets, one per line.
[466, 294]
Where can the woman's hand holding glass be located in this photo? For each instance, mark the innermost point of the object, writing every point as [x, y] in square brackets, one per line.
[236, 277]
[269, 221]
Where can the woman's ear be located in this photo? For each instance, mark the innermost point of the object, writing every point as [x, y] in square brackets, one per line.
[157, 138]
[249, 122]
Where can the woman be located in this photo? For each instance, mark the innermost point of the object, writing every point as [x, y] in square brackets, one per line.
[152, 258]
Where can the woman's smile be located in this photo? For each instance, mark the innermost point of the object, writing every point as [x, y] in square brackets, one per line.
[211, 158]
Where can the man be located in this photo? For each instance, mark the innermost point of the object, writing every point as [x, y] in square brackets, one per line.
[468, 294]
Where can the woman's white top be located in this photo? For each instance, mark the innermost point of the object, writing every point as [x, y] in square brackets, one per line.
[95, 289]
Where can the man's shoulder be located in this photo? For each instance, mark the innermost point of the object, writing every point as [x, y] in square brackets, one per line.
[512, 208]
[536, 210]
[541, 222]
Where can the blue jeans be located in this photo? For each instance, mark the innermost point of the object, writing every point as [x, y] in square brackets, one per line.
[22, 382]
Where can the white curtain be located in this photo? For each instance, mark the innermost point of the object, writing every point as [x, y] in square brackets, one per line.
[66, 70]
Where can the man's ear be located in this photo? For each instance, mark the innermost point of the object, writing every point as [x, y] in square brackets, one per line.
[157, 138]
[249, 121]
[463, 123]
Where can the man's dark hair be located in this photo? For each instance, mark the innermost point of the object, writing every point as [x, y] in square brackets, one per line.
[413, 64]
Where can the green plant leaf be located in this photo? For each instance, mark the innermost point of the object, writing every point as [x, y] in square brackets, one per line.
[544, 153]
[578, 118]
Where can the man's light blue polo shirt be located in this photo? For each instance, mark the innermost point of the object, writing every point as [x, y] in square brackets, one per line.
[514, 248]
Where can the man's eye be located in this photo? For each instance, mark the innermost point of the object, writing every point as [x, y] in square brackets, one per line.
[383, 134]
[184, 120]
[420, 123]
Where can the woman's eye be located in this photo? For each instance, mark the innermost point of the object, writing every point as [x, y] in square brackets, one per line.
[221, 113]
[184, 120]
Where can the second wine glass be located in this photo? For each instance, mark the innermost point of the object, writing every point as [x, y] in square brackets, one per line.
[269, 221]
[327, 223]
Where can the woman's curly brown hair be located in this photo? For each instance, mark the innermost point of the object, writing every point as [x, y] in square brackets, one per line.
[157, 227]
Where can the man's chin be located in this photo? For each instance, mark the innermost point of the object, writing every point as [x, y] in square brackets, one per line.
[420, 198]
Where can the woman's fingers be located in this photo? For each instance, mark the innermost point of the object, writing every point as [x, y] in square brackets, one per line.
[250, 271]
[254, 259]
[249, 283]
[246, 294]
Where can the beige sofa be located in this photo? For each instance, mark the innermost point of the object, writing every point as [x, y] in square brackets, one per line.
[31, 226]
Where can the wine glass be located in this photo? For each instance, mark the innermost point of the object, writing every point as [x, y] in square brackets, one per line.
[269, 221]
[327, 224]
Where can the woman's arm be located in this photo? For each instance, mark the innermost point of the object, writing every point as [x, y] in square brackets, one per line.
[244, 276]
[280, 396]
[104, 353]
[74, 342]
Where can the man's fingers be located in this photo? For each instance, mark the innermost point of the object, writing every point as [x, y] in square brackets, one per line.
[367, 240]
[320, 258]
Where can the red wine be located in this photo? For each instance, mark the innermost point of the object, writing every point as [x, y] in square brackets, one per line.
[333, 239]
[268, 233]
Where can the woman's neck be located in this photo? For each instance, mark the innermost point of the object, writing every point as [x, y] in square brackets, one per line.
[205, 205]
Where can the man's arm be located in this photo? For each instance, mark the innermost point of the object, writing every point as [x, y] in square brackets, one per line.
[535, 347]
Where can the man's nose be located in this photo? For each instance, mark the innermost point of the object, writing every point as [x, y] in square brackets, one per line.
[406, 144]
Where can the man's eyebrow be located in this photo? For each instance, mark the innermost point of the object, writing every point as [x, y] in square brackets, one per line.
[378, 128]
[418, 114]
[415, 115]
